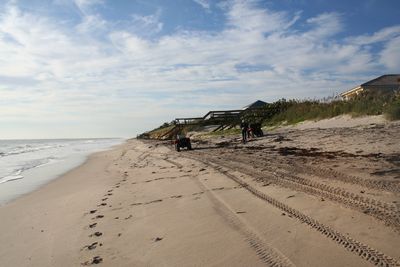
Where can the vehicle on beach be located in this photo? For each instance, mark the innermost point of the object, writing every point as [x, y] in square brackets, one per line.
[182, 141]
[256, 130]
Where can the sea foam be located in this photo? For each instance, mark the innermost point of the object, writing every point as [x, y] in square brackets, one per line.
[27, 164]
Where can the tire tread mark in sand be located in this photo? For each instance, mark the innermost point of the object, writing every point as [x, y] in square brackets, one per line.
[142, 157]
[382, 211]
[364, 251]
[178, 165]
[269, 255]
[391, 186]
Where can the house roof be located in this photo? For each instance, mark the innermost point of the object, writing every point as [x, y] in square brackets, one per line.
[256, 104]
[387, 79]
[384, 80]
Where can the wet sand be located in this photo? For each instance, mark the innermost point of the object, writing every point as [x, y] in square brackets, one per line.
[291, 198]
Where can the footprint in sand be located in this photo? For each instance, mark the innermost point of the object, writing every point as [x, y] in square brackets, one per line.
[97, 260]
[154, 201]
[102, 204]
[99, 216]
[92, 211]
[219, 188]
[93, 225]
[92, 246]
[104, 199]
[96, 234]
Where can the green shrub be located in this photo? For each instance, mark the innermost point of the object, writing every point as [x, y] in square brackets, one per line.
[392, 111]
[368, 103]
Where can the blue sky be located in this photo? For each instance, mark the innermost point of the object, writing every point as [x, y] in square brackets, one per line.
[98, 68]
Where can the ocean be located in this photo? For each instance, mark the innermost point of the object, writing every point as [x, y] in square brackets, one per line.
[27, 164]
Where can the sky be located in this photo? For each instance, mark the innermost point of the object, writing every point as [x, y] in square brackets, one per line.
[114, 68]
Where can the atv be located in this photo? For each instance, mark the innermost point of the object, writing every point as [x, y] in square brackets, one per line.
[182, 141]
[256, 129]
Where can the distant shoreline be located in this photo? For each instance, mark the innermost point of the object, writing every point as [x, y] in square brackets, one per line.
[35, 171]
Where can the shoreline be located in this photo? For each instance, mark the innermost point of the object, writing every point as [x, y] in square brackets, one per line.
[39, 176]
[40, 215]
[143, 204]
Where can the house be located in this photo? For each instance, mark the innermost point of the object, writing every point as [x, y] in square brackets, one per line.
[387, 83]
[257, 104]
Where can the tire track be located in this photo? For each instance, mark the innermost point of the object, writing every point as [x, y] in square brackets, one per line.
[269, 255]
[390, 186]
[178, 165]
[364, 251]
[387, 213]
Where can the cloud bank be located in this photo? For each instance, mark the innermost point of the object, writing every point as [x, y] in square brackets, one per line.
[99, 77]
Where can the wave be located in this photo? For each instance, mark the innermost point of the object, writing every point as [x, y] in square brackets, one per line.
[16, 174]
[27, 149]
[10, 178]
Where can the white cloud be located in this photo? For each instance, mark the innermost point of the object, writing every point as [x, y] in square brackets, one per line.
[390, 56]
[147, 25]
[382, 35]
[203, 3]
[245, 16]
[325, 25]
[86, 6]
[111, 73]
[92, 24]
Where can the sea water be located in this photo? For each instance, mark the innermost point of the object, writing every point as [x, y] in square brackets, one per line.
[27, 164]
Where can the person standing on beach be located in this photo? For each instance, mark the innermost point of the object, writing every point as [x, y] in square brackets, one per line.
[244, 127]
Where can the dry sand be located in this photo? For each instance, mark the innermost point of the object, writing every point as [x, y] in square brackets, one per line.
[312, 197]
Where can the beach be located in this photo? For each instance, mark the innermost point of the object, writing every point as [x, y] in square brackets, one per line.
[296, 197]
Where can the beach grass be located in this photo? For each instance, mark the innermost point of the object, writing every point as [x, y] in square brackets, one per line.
[295, 111]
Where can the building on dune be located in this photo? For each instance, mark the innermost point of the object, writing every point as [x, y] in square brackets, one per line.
[256, 104]
[384, 83]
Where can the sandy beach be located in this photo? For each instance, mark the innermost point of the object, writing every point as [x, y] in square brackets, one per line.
[237, 133]
[295, 197]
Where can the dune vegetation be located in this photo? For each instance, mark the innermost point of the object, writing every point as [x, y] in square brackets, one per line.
[293, 111]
